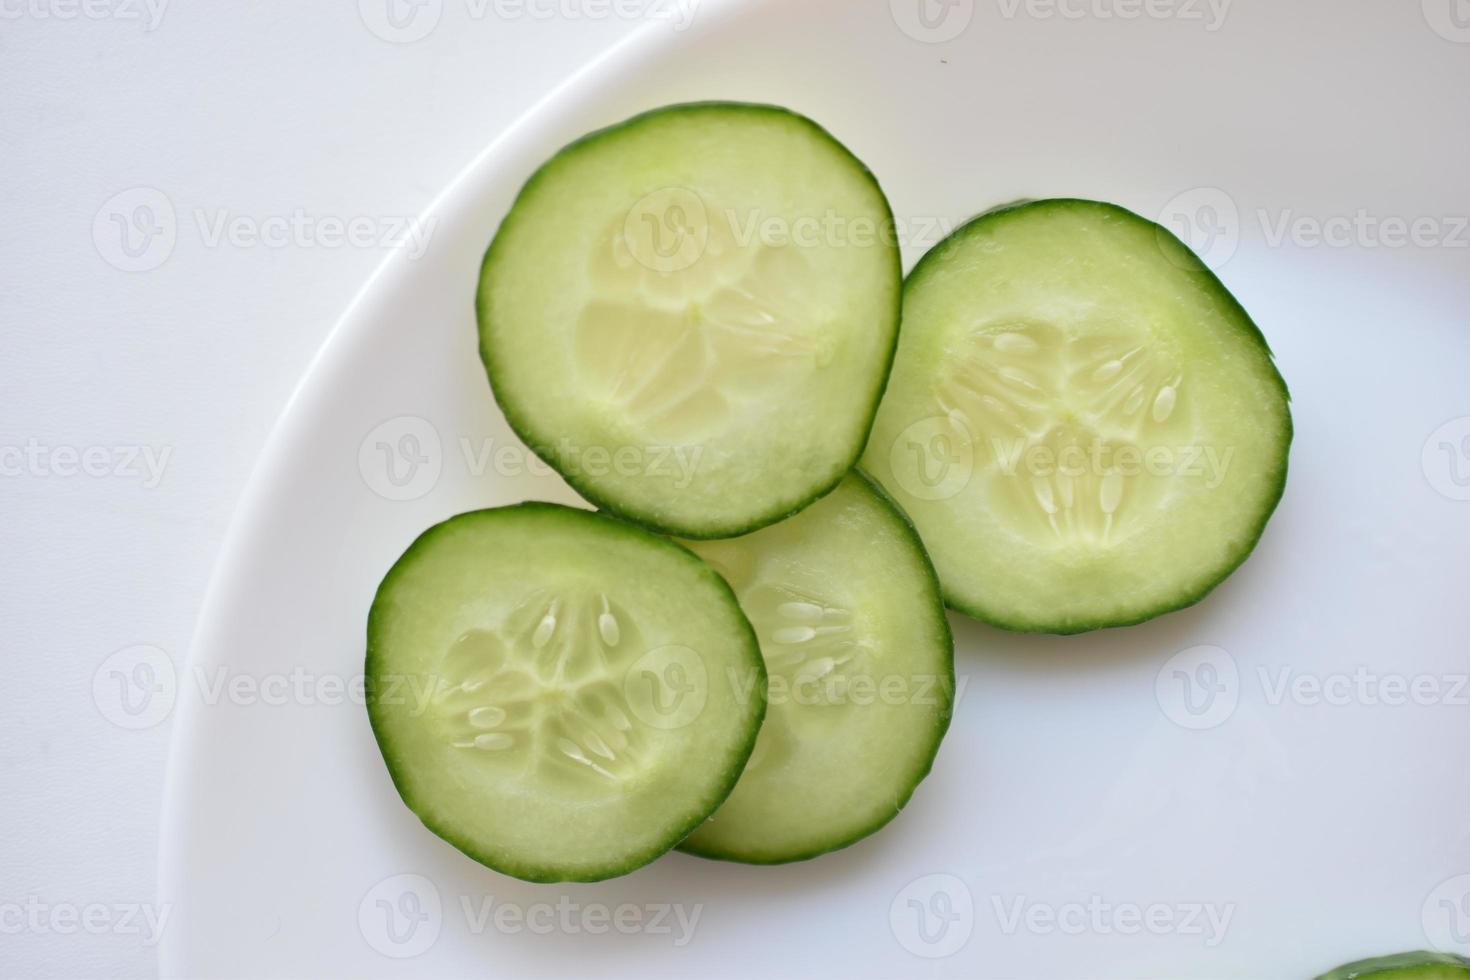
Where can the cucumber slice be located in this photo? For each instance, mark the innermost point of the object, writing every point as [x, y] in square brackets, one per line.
[1086, 427]
[1405, 966]
[561, 696]
[853, 630]
[691, 315]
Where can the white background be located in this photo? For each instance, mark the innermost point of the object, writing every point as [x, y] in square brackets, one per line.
[257, 109]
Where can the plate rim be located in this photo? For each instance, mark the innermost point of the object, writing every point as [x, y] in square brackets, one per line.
[533, 126]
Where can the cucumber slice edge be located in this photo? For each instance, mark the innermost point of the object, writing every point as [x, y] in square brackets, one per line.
[1190, 264]
[945, 716]
[579, 482]
[1406, 965]
[510, 866]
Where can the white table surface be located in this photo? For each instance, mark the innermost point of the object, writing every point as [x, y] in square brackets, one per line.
[261, 110]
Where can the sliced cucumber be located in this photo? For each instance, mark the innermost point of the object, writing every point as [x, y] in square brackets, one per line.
[1085, 426]
[560, 695]
[691, 315]
[862, 677]
[1405, 966]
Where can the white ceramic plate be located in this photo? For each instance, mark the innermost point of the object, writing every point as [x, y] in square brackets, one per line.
[1113, 805]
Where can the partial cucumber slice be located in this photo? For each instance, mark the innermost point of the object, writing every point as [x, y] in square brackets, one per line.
[1405, 966]
[691, 315]
[1085, 426]
[560, 695]
[862, 677]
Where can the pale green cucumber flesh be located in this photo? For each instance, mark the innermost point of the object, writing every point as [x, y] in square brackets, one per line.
[558, 694]
[859, 653]
[1085, 426]
[1404, 966]
[691, 315]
